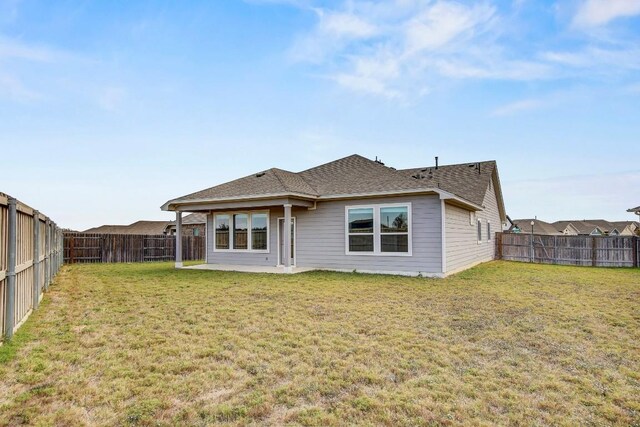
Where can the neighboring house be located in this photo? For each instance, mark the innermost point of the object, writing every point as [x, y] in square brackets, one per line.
[192, 225]
[138, 227]
[589, 227]
[539, 227]
[627, 228]
[577, 228]
[353, 214]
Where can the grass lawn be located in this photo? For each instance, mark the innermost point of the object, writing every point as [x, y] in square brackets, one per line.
[503, 343]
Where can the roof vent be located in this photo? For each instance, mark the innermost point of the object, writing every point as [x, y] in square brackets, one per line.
[258, 175]
[379, 161]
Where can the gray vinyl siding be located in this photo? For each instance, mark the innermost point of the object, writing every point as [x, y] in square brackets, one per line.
[321, 238]
[461, 242]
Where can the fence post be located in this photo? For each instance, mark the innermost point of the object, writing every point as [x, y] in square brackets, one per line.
[635, 242]
[532, 257]
[594, 255]
[46, 254]
[9, 321]
[51, 243]
[36, 259]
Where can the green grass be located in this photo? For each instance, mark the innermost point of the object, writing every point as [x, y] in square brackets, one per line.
[503, 343]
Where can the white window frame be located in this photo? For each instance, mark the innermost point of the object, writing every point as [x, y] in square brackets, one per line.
[472, 218]
[249, 239]
[377, 234]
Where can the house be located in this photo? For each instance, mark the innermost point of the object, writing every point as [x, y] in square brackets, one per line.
[627, 228]
[192, 225]
[577, 227]
[138, 227]
[351, 214]
[539, 227]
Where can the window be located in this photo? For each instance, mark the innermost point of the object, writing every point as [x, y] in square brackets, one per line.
[259, 231]
[479, 231]
[472, 218]
[394, 229]
[196, 232]
[222, 231]
[378, 230]
[488, 231]
[361, 230]
[242, 231]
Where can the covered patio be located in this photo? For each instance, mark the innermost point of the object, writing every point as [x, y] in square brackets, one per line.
[285, 264]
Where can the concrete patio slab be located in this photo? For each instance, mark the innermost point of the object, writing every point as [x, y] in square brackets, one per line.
[247, 268]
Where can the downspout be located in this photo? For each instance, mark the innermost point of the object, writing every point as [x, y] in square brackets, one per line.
[315, 206]
[443, 244]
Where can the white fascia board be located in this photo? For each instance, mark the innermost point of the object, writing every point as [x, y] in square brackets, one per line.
[170, 205]
[445, 195]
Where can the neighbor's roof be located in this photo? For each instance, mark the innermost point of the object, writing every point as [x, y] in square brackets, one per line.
[582, 226]
[621, 225]
[539, 227]
[636, 209]
[138, 227]
[603, 225]
[194, 218]
[356, 175]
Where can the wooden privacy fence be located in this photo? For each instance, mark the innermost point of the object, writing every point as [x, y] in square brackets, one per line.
[596, 251]
[108, 248]
[30, 256]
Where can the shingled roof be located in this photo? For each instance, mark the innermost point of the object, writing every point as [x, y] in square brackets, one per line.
[355, 175]
[138, 227]
[539, 226]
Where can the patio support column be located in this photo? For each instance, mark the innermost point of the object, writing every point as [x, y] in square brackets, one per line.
[286, 235]
[178, 239]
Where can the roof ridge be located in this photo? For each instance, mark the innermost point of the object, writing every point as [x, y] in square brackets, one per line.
[275, 170]
[296, 174]
[450, 165]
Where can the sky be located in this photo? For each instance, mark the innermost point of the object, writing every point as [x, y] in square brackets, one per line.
[109, 109]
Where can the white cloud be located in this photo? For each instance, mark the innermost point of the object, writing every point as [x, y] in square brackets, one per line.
[593, 13]
[609, 60]
[518, 106]
[398, 48]
[442, 23]
[344, 25]
[401, 49]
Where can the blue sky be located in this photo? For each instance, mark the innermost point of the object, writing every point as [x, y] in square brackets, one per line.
[108, 109]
